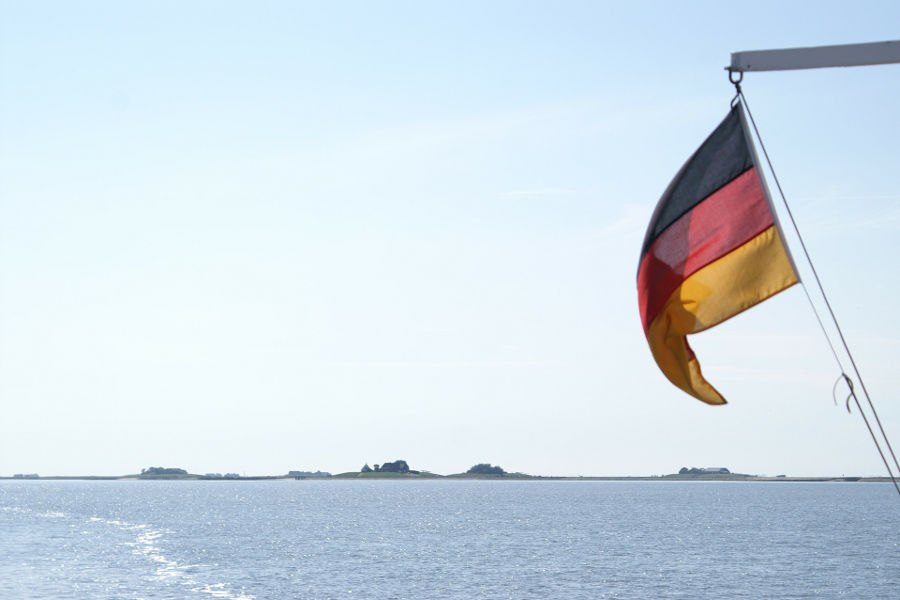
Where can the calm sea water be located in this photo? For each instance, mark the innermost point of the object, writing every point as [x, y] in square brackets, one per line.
[444, 540]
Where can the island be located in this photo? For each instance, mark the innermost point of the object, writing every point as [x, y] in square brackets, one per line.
[400, 469]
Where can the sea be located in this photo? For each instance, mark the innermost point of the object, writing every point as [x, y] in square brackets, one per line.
[447, 539]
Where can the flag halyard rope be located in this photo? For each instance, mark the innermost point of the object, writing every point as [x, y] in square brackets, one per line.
[852, 392]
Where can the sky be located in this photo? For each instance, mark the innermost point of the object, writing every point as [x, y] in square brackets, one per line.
[272, 236]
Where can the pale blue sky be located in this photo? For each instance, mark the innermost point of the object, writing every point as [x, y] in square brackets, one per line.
[258, 237]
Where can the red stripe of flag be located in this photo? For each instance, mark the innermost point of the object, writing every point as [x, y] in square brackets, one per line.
[722, 222]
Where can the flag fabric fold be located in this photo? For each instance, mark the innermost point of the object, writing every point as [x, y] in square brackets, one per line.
[712, 250]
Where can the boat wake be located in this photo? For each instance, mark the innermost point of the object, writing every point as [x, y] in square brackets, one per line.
[147, 546]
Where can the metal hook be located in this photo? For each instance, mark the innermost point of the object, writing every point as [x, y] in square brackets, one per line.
[850, 395]
[737, 84]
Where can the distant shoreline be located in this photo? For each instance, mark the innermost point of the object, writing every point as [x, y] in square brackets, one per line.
[462, 477]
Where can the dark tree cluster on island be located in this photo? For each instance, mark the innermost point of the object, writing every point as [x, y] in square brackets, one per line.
[401, 467]
[485, 469]
[704, 471]
[163, 471]
[304, 474]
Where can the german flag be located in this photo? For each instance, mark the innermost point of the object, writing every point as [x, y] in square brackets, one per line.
[712, 250]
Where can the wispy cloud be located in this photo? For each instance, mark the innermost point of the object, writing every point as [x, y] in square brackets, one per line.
[538, 193]
[872, 211]
[627, 227]
[438, 364]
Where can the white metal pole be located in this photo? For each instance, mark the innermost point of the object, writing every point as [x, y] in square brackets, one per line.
[818, 57]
